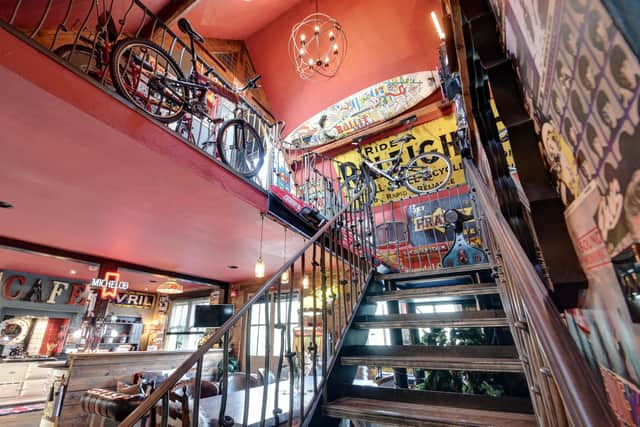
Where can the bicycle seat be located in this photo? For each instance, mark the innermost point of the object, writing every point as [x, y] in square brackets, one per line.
[186, 28]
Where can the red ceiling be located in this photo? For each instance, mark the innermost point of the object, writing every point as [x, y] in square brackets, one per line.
[88, 174]
[386, 39]
[236, 19]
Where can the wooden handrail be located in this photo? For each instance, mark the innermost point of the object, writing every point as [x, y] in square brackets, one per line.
[181, 370]
[584, 401]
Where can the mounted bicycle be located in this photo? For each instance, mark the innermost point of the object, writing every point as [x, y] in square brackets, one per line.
[162, 91]
[424, 174]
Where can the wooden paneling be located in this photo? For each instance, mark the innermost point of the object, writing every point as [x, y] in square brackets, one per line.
[104, 370]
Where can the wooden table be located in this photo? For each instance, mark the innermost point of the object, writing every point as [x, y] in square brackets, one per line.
[210, 406]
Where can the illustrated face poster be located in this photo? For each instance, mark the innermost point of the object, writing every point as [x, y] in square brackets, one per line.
[581, 78]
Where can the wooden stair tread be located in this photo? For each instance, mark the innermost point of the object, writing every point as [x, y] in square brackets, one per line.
[481, 318]
[405, 414]
[483, 358]
[435, 291]
[440, 272]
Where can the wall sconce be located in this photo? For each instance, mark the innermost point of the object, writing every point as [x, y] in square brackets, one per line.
[260, 267]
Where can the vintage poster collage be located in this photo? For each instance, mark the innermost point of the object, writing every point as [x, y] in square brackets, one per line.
[581, 80]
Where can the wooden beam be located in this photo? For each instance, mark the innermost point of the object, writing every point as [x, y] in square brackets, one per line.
[175, 10]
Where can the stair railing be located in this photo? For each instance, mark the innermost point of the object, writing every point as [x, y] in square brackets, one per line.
[296, 322]
[563, 389]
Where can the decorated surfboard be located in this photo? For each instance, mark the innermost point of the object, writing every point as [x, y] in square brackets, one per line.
[369, 106]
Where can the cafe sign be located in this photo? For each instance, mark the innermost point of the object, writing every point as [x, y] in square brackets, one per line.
[16, 286]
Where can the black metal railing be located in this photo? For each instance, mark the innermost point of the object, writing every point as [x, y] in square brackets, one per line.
[291, 331]
[83, 33]
[564, 391]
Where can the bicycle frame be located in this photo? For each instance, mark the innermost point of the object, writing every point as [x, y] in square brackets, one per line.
[395, 162]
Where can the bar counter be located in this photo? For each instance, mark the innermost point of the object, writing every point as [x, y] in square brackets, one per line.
[84, 371]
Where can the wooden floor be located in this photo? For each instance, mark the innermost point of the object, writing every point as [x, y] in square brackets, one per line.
[28, 419]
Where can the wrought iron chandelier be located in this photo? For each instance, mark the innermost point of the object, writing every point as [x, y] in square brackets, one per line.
[317, 46]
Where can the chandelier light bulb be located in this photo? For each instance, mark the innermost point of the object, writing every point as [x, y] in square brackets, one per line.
[259, 270]
[331, 36]
[301, 51]
[303, 38]
[310, 62]
[326, 60]
[316, 29]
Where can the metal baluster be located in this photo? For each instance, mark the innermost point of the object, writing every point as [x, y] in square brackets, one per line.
[38, 27]
[337, 232]
[290, 353]
[283, 330]
[267, 357]
[165, 409]
[224, 383]
[314, 347]
[196, 392]
[247, 366]
[14, 13]
[301, 326]
[62, 25]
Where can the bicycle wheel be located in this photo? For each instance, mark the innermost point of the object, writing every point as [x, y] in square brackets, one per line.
[351, 187]
[86, 60]
[141, 72]
[427, 173]
[240, 147]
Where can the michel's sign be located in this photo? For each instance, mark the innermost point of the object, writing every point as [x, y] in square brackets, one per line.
[17, 286]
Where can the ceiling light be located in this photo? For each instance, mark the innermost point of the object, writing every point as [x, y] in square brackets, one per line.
[170, 287]
[437, 25]
[93, 268]
[315, 37]
[5, 205]
[72, 272]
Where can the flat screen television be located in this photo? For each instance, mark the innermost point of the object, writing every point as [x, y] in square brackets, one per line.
[212, 316]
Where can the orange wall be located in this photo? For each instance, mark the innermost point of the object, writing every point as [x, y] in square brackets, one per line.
[386, 39]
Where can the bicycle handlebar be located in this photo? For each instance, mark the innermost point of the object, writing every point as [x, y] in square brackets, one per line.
[251, 84]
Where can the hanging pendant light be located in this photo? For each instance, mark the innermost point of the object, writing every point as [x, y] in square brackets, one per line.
[284, 279]
[260, 267]
[317, 46]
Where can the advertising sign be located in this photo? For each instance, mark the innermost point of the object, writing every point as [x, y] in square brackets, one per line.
[367, 107]
[134, 299]
[41, 289]
[437, 135]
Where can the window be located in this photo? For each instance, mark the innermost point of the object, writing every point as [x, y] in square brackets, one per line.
[181, 334]
[379, 336]
[259, 314]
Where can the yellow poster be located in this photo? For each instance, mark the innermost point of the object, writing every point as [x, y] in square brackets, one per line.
[437, 135]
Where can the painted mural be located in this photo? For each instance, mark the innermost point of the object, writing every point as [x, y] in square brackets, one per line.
[581, 82]
[369, 106]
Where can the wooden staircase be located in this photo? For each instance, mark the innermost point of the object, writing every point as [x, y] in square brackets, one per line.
[394, 400]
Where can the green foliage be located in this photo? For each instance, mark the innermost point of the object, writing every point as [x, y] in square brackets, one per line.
[459, 381]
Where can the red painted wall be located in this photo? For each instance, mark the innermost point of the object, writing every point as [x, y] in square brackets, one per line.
[385, 39]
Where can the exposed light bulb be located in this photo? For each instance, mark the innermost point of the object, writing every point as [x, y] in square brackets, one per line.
[326, 60]
[259, 270]
[301, 52]
[284, 279]
[331, 36]
[303, 38]
[305, 282]
[310, 62]
[316, 29]
[335, 48]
